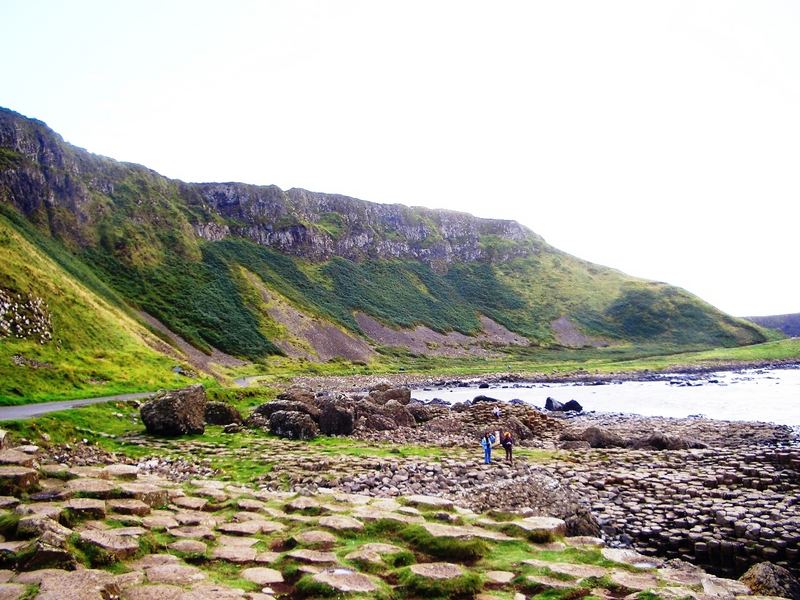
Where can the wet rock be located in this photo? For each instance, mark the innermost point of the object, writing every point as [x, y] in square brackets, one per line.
[573, 405]
[767, 579]
[553, 405]
[177, 412]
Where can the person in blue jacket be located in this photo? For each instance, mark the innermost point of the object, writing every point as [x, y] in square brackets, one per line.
[486, 441]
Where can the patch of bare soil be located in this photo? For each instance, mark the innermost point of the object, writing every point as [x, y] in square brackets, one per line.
[198, 359]
[423, 340]
[315, 339]
[567, 334]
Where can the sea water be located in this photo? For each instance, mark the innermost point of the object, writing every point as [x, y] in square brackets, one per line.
[770, 395]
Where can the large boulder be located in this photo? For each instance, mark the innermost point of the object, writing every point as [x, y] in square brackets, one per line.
[298, 394]
[766, 579]
[423, 413]
[573, 405]
[378, 422]
[176, 412]
[661, 441]
[399, 414]
[553, 404]
[293, 424]
[336, 418]
[222, 413]
[596, 437]
[518, 429]
[266, 410]
[401, 394]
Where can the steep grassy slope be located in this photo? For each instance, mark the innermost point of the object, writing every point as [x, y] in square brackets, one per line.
[68, 339]
[179, 251]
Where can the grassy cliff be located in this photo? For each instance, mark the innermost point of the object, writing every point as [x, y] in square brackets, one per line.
[96, 240]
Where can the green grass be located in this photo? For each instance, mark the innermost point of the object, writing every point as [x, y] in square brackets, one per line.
[97, 349]
[466, 585]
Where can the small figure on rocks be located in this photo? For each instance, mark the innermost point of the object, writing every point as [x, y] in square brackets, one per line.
[496, 412]
[486, 441]
[507, 441]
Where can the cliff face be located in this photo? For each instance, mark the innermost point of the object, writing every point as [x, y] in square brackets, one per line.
[56, 184]
[205, 259]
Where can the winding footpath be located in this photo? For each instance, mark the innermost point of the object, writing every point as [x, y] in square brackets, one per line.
[26, 411]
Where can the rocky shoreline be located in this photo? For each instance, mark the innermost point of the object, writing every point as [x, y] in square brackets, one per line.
[693, 488]
[357, 383]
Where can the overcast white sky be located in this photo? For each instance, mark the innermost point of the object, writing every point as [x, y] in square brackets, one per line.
[659, 138]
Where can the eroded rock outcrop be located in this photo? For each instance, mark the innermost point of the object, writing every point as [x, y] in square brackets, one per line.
[178, 412]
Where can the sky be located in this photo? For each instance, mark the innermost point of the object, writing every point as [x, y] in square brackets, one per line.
[661, 138]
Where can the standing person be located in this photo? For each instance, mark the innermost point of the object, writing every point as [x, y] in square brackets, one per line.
[486, 441]
[507, 441]
[496, 412]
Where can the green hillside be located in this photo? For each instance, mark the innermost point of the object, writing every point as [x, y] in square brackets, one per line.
[66, 338]
[95, 240]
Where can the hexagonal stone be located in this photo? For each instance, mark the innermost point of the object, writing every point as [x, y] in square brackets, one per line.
[429, 502]
[148, 493]
[346, 581]
[214, 591]
[634, 581]
[213, 493]
[190, 502]
[12, 591]
[573, 570]
[15, 457]
[128, 506]
[153, 592]
[262, 576]
[120, 547]
[372, 553]
[234, 554]
[121, 471]
[312, 556]
[197, 531]
[159, 522]
[15, 479]
[542, 582]
[251, 527]
[722, 588]
[51, 510]
[303, 504]
[92, 488]
[189, 546]
[86, 584]
[366, 513]
[175, 574]
[87, 507]
[250, 504]
[437, 570]
[8, 502]
[631, 557]
[315, 537]
[241, 542]
[193, 517]
[465, 532]
[540, 529]
[499, 577]
[341, 523]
